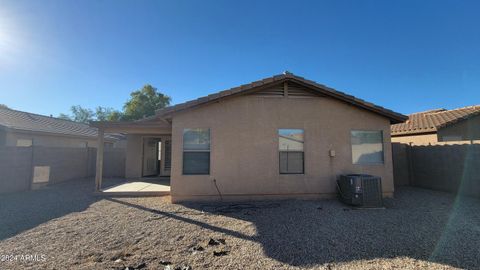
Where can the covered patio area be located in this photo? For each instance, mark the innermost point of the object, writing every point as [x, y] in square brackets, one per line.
[147, 159]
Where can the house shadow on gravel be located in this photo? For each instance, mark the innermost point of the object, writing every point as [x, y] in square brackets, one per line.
[418, 224]
[22, 211]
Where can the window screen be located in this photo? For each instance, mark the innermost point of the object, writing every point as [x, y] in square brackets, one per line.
[367, 147]
[168, 155]
[196, 151]
[290, 145]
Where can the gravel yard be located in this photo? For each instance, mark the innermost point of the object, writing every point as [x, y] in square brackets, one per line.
[65, 227]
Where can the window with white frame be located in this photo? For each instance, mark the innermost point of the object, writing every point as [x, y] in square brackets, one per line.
[290, 146]
[196, 151]
[367, 147]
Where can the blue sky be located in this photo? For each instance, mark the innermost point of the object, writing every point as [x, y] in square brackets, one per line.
[404, 55]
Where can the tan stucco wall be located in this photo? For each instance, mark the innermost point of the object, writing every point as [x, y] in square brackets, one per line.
[423, 139]
[419, 140]
[133, 161]
[244, 148]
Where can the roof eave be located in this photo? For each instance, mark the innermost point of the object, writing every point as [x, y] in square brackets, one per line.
[413, 133]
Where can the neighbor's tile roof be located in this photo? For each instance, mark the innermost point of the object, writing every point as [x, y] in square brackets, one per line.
[431, 121]
[287, 76]
[24, 121]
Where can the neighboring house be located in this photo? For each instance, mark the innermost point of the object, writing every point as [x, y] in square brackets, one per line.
[440, 125]
[25, 129]
[280, 137]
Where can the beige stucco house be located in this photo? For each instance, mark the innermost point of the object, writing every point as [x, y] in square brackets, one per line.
[440, 126]
[24, 129]
[280, 137]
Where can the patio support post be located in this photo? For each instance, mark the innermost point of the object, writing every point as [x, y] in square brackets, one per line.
[99, 165]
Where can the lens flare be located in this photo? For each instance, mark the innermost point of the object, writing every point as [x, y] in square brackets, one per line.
[9, 45]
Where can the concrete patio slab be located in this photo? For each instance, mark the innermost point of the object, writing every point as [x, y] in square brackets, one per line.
[137, 188]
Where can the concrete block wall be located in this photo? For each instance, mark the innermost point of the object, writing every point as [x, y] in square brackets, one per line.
[64, 163]
[24, 167]
[15, 169]
[113, 162]
[400, 154]
[452, 168]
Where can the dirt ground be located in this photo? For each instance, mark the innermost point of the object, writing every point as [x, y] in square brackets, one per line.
[66, 227]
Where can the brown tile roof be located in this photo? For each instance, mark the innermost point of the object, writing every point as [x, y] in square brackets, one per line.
[24, 121]
[431, 121]
[287, 76]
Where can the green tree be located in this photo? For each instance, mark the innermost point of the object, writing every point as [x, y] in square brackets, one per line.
[107, 114]
[115, 116]
[144, 102]
[85, 115]
[79, 114]
[64, 116]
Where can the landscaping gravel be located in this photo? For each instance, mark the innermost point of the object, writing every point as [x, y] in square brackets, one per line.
[65, 227]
